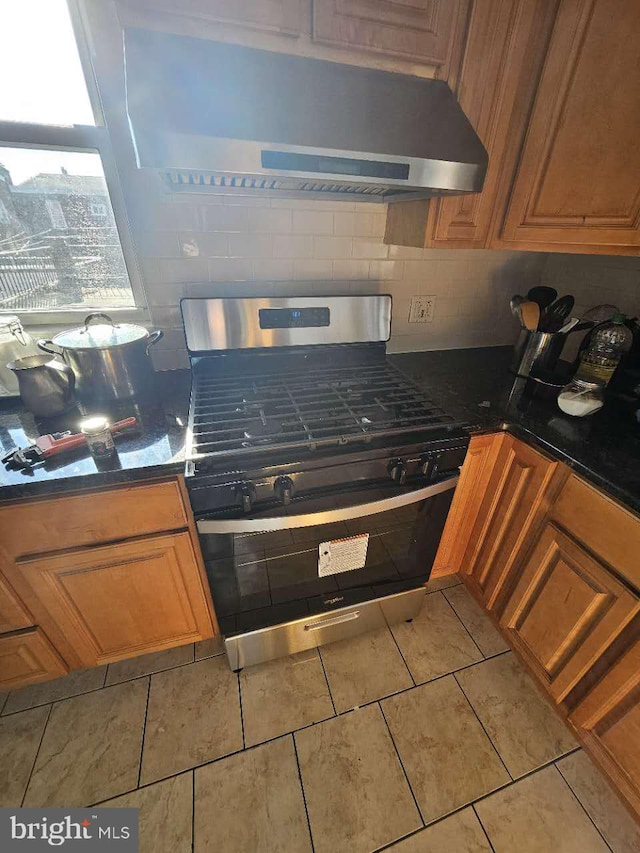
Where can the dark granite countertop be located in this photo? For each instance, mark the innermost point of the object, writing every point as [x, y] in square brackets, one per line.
[476, 386]
[157, 447]
[473, 385]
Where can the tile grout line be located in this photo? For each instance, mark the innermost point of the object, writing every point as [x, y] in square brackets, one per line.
[144, 731]
[326, 678]
[470, 635]
[244, 741]
[35, 758]
[304, 796]
[582, 805]
[482, 726]
[482, 827]
[393, 637]
[406, 776]
[102, 687]
[193, 811]
[473, 803]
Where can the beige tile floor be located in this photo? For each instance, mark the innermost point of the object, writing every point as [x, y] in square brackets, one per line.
[429, 738]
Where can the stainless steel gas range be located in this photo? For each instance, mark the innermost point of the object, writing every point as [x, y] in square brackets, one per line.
[320, 476]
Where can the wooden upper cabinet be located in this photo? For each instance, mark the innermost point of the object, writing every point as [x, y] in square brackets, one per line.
[518, 497]
[578, 183]
[279, 16]
[470, 491]
[504, 51]
[565, 611]
[608, 720]
[418, 30]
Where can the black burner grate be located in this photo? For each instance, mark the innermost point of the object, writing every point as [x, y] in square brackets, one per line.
[238, 415]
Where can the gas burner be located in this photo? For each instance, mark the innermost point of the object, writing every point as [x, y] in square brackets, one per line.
[262, 428]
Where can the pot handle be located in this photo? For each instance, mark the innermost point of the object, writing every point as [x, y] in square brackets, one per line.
[153, 338]
[95, 316]
[48, 346]
[63, 374]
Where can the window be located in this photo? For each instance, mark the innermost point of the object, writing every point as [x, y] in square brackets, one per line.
[58, 228]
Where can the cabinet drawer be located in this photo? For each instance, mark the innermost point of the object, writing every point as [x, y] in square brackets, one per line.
[565, 611]
[13, 614]
[53, 524]
[27, 657]
[110, 602]
[606, 528]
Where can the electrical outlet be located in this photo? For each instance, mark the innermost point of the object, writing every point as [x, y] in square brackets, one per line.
[421, 310]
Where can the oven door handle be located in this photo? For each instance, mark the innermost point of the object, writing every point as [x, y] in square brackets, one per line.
[329, 516]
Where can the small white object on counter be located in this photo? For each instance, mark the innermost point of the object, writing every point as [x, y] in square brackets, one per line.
[580, 399]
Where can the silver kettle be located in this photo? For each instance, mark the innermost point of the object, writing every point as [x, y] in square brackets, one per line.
[46, 384]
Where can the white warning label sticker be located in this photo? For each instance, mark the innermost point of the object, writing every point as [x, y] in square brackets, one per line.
[342, 555]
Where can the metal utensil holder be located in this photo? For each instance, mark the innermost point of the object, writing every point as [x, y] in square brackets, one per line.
[536, 351]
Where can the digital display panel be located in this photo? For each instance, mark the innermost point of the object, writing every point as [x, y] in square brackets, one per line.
[293, 318]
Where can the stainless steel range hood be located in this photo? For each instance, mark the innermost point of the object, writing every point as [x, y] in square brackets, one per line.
[218, 117]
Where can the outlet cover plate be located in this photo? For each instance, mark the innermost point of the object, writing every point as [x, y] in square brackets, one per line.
[422, 308]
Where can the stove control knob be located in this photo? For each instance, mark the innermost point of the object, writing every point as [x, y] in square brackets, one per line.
[283, 487]
[245, 496]
[398, 472]
[427, 464]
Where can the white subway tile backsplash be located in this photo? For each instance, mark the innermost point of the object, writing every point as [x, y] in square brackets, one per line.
[335, 248]
[312, 222]
[373, 249]
[250, 245]
[273, 269]
[223, 218]
[387, 270]
[230, 269]
[178, 271]
[293, 246]
[207, 244]
[269, 221]
[312, 269]
[350, 269]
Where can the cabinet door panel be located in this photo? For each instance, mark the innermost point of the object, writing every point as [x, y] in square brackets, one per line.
[13, 614]
[102, 604]
[470, 491]
[518, 495]
[579, 176]
[27, 657]
[419, 30]
[608, 720]
[565, 611]
[505, 49]
[282, 16]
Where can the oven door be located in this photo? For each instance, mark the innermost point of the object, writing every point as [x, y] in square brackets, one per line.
[323, 553]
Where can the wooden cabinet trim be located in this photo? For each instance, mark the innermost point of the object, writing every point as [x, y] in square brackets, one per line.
[27, 657]
[598, 604]
[83, 519]
[420, 33]
[603, 526]
[13, 614]
[276, 16]
[474, 476]
[577, 57]
[85, 634]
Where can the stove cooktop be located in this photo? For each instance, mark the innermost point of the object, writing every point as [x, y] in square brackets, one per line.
[241, 416]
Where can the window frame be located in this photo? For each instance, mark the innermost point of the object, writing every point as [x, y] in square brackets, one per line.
[90, 139]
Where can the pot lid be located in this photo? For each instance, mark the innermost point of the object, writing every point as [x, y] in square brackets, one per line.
[100, 335]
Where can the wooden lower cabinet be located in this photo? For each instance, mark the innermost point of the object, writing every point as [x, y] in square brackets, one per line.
[516, 500]
[565, 611]
[108, 602]
[26, 657]
[470, 491]
[608, 722]
[13, 614]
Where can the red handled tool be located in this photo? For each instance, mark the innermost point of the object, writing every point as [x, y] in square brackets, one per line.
[54, 443]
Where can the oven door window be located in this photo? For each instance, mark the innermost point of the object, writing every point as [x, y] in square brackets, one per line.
[261, 579]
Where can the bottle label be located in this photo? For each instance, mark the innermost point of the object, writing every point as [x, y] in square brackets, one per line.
[599, 373]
